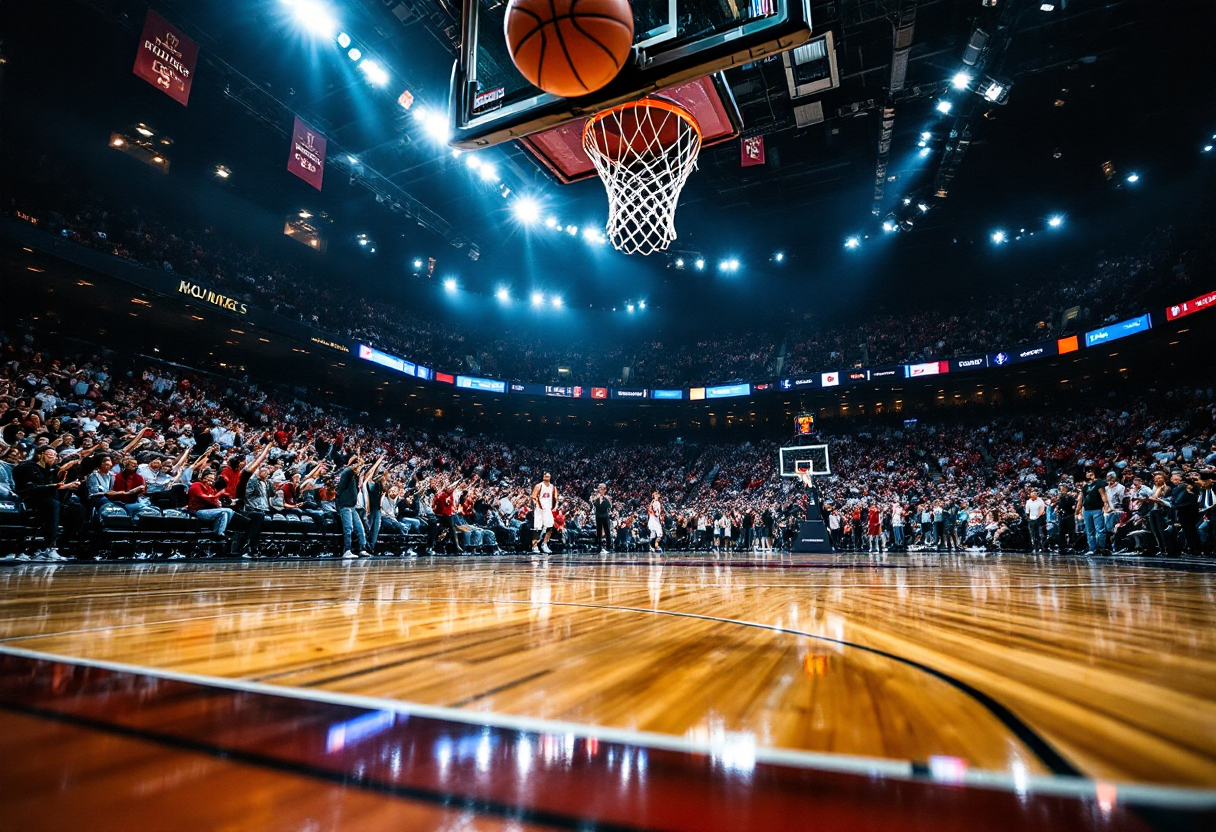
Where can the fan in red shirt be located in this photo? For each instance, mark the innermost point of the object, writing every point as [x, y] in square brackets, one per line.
[129, 481]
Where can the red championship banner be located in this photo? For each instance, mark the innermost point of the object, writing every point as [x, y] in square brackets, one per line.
[751, 151]
[166, 58]
[307, 159]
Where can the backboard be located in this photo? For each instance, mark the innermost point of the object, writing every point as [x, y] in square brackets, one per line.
[798, 459]
[675, 42]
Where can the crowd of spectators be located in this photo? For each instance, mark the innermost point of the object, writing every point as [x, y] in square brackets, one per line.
[84, 434]
[1157, 269]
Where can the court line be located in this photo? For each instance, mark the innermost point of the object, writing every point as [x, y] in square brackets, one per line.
[1080, 788]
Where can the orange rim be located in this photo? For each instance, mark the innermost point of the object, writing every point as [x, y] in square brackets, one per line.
[648, 103]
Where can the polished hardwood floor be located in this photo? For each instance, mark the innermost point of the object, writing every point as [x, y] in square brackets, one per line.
[1012, 663]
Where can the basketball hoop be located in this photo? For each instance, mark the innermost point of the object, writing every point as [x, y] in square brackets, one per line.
[644, 151]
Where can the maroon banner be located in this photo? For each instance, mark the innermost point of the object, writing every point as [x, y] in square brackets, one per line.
[1181, 310]
[166, 58]
[307, 159]
[752, 151]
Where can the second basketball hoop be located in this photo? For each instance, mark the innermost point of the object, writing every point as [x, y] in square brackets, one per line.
[644, 152]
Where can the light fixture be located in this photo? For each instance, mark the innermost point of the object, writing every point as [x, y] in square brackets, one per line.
[354, 54]
[305, 214]
[417, 264]
[924, 151]
[552, 222]
[118, 142]
[1047, 7]
[343, 39]
[724, 266]
[373, 72]
[572, 230]
[925, 136]
[679, 262]
[1207, 148]
[503, 294]
[998, 237]
[994, 91]
[944, 106]
[700, 264]
[472, 161]
[313, 17]
[630, 308]
[852, 242]
[557, 302]
[923, 207]
[1133, 178]
[526, 210]
[144, 131]
[888, 225]
[779, 256]
[538, 298]
[488, 173]
[222, 172]
[434, 124]
[641, 304]
[450, 284]
[1056, 221]
[960, 80]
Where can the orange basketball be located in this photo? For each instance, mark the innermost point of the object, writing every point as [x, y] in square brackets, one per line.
[569, 47]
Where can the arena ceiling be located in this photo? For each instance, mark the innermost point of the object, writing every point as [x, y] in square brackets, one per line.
[1127, 82]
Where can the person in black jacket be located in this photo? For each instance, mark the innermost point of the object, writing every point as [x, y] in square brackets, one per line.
[1186, 507]
[603, 518]
[345, 501]
[38, 485]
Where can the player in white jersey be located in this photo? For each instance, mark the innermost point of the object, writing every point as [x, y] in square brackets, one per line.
[655, 522]
[544, 498]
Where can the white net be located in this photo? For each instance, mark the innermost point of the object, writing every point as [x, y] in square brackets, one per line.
[644, 151]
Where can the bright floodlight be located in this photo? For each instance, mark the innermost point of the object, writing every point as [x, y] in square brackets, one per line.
[434, 124]
[1133, 178]
[630, 307]
[343, 39]
[641, 304]
[926, 135]
[924, 209]
[552, 222]
[417, 264]
[354, 54]
[557, 302]
[1056, 221]
[472, 160]
[374, 73]
[924, 151]
[852, 242]
[1207, 148]
[526, 210]
[1047, 7]
[960, 81]
[944, 106]
[724, 266]
[538, 298]
[572, 230]
[998, 237]
[779, 256]
[488, 173]
[450, 284]
[502, 294]
[888, 226]
[679, 262]
[313, 17]
[700, 264]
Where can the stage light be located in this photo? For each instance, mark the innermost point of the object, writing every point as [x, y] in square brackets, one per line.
[641, 304]
[994, 91]
[472, 161]
[572, 230]
[343, 39]
[374, 72]
[354, 54]
[1056, 221]
[923, 207]
[921, 143]
[450, 284]
[222, 172]
[907, 200]
[724, 266]
[998, 237]
[926, 135]
[313, 17]
[417, 264]
[700, 264]
[924, 151]
[630, 308]
[888, 226]
[557, 302]
[362, 241]
[679, 262]
[852, 242]
[1207, 148]
[779, 256]
[502, 294]
[488, 173]
[1047, 7]
[1133, 178]
[144, 131]
[538, 298]
[434, 124]
[305, 214]
[961, 80]
[526, 210]
[552, 222]
[944, 107]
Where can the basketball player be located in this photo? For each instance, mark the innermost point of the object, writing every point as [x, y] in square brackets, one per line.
[603, 517]
[655, 523]
[544, 498]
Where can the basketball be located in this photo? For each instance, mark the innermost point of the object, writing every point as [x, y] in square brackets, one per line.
[569, 47]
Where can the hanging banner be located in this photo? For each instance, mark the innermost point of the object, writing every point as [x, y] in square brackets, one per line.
[751, 151]
[166, 58]
[307, 159]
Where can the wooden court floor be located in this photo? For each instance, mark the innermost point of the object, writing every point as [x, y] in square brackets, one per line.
[1013, 663]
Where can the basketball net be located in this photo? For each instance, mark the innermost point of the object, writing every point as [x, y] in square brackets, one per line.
[644, 151]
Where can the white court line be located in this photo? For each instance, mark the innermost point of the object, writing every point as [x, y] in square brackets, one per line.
[1174, 797]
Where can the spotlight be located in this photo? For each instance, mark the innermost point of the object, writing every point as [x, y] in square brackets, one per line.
[1056, 221]
[313, 17]
[538, 298]
[700, 264]
[1207, 148]
[852, 242]
[888, 225]
[998, 237]
[374, 73]
[641, 304]
[679, 262]
[779, 256]
[434, 124]
[450, 284]
[222, 172]
[724, 266]
[924, 151]
[144, 131]
[343, 39]
[630, 308]
[944, 107]
[354, 54]
[1047, 7]
[734, 265]
[925, 136]
[526, 210]
[961, 80]
[488, 173]
[907, 200]
[572, 230]
[552, 222]
[502, 294]
[417, 264]
[1133, 178]
[557, 302]
[921, 143]
[924, 209]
